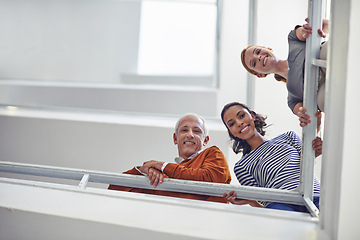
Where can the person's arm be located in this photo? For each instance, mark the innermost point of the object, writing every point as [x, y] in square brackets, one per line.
[151, 164]
[324, 28]
[294, 140]
[302, 33]
[296, 108]
[213, 168]
[133, 171]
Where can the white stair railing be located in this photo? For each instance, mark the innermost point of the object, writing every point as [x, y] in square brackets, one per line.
[311, 74]
[139, 181]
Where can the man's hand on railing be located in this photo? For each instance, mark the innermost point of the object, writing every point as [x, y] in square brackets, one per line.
[152, 169]
[155, 176]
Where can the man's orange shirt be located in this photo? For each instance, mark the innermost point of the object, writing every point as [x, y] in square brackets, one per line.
[210, 165]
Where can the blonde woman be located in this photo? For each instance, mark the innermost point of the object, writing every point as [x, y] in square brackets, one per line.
[261, 61]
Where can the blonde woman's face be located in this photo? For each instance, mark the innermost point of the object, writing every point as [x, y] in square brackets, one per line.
[261, 60]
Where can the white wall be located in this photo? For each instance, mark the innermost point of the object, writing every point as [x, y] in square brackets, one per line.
[153, 100]
[70, 40]
[273, 29]
[234, 34]
[348, 212]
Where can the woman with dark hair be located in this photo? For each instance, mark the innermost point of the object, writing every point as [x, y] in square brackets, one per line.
[273, 163]
[261, 61]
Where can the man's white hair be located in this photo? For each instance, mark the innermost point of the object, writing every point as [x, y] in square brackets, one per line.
[204, 127]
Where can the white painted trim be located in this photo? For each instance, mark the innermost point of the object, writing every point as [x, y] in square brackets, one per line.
[69, 211]
[310, 101]
[319, 63]
[150, 99]
[335, 90]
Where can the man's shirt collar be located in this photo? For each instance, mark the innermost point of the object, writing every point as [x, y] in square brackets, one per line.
[179, 160]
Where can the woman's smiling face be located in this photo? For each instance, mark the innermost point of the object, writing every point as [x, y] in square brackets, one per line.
[240, 122]
[260, 59]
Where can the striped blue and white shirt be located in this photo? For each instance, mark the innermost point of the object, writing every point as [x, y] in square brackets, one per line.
[274, 164]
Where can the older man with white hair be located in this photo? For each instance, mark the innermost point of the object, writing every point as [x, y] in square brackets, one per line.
[193, 163]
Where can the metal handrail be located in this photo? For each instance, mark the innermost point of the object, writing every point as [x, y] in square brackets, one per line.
[137, 181]
[310, 101]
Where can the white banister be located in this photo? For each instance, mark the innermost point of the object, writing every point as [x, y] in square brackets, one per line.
[310, 102]
[84, 181]
[137, 181]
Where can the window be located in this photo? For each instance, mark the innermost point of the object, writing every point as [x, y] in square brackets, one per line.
[177, 38]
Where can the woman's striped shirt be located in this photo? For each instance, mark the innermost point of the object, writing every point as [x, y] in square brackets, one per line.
[274, 164]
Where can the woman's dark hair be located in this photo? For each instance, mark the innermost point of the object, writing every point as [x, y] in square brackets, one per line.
[240, 145]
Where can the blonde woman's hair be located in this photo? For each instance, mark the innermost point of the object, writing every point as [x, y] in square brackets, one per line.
[242, 57]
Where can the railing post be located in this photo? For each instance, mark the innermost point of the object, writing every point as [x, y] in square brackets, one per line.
[84, 181]
[310, 100]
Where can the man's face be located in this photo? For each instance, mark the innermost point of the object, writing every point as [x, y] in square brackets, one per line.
[190, 137]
